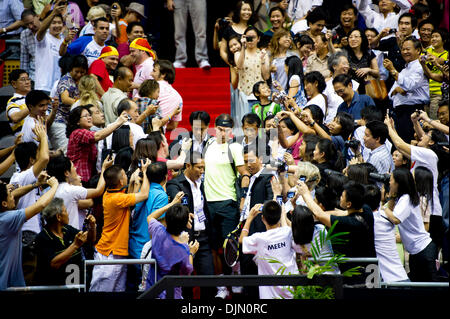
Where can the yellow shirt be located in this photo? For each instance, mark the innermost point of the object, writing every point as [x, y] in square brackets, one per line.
[16, 102]
[435, 87]
[116, 227]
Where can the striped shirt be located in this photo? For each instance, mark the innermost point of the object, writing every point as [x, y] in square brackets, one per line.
[381, 158]
[10, 12]
[27, 52]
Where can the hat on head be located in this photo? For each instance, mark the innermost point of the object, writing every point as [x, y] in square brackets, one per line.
[138, 8]
[142, 44]
[108, 51]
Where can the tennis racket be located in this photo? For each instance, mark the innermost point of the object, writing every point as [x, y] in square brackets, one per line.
[231, 246]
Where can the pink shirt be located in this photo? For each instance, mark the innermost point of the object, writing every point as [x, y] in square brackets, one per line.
[169, 99]
[143, 72]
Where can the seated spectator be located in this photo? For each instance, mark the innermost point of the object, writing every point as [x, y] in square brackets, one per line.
[59, 244]
[113, 243]
[16, 108]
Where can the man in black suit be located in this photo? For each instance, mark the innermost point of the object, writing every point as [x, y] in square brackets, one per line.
[190, 182]
[259, 191]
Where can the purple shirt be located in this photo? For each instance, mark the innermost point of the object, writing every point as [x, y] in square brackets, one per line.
[172, 257]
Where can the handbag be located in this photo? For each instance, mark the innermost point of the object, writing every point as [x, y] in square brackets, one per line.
[376, 88]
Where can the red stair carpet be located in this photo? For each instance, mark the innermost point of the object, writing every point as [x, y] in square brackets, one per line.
[202, 91]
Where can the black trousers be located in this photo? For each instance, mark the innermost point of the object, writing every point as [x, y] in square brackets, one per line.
[423, 265]
[403, 123]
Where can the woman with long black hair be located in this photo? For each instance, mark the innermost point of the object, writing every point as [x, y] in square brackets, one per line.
[403, 209]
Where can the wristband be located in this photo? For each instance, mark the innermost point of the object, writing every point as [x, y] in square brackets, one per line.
[244, 191]
[245, 229]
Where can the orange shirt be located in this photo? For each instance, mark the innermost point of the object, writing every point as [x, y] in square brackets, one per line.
[116, 215]
[123, 32]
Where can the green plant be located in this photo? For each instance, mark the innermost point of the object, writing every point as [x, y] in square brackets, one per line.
[322, 261]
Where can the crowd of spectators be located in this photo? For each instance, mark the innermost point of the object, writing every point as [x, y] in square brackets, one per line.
[338, 116]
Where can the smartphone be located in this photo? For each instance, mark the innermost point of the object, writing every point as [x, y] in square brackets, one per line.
[280, 200]
[303, 178]
[290, 195]
[184, 200]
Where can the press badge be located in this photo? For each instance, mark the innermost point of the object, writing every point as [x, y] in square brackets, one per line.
[201, 216]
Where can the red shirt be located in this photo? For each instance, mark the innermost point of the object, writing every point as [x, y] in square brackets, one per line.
[98, 68]
[82, 151]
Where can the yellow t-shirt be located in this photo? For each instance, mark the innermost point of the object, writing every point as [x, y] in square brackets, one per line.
[16, 102]
[116, 227]
[219, 175]
[435, 87]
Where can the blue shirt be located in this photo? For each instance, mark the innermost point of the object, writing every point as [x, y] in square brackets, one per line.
[357, 104]
[139, 235]
[11, 274]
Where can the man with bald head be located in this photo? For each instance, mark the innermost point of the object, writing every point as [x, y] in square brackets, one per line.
[123, 80]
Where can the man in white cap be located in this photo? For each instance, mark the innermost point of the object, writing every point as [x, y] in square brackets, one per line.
[197, 11]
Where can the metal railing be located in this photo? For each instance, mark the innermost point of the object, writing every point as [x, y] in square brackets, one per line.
[118, 262]
[168, 283]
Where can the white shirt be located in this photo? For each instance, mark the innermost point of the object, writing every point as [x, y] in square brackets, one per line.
[23, 178]
[412, 230]
[414, 82]
[71, 194]
[376, 19]
[246, 208]
[47, 57]
[274, 244]
[319, 100]
[358, 134]
[421, 156]
[298, 9]
[27, 129]
[199, 214]
[391, 267]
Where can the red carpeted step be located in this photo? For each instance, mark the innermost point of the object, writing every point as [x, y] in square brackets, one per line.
[203, 90]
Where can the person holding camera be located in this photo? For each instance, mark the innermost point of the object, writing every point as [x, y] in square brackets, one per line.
[253, 64]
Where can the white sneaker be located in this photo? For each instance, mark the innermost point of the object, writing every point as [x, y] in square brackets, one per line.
[178, 64]
[222, 292]
[237, 290]
[204, 65]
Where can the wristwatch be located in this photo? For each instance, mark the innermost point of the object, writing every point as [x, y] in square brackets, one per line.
[312, 123]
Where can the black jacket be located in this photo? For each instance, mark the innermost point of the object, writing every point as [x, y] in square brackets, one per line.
[180, 183]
